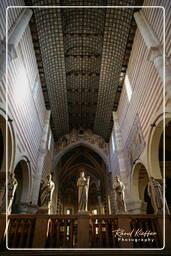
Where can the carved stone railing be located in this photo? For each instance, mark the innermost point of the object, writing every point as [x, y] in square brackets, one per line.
[77, 231]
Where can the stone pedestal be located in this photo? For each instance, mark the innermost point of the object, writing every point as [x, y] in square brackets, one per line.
[83, 229]
[43, 210]
[40, 234]
[136, 206]
[27, 208]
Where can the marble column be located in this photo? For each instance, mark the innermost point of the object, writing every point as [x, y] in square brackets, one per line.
[13, 39]
[155, 49]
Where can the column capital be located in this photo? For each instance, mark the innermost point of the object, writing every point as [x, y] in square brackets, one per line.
[19, 27]
[146, 30]
[14, 37]
[153, 52]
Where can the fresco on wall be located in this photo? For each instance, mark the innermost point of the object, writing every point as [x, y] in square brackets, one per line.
[135, 143]
[82, 135]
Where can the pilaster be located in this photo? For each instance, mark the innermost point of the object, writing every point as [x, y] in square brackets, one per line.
[155, 50]
[14, 38]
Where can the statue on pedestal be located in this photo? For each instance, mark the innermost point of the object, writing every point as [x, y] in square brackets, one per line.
[156, 194]
[119, 188]
[83, 187]
[46, 193]
[12, 186]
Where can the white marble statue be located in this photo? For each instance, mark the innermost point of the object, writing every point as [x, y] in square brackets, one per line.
[119, 188]
[46, 193]
[12, 186]
[83, 187]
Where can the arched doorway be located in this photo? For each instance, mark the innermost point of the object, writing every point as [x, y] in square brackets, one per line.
[155, 147]
[68, 170]
[22, 175]
[139, 188]
[156, 152]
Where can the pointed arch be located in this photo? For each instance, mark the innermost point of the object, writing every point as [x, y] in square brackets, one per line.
[69, 147]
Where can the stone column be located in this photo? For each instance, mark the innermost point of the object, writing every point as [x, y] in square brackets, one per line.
[14, 38]
[119, 149]
[41, 157]
[155, 50]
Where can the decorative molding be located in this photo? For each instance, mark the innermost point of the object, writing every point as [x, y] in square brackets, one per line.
[85, 135]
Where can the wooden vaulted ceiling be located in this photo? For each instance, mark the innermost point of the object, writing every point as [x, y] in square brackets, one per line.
[82, 56]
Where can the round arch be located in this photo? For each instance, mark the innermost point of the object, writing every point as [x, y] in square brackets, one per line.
[154, 141]
[139, 180]
[7, 133]
[22, 172]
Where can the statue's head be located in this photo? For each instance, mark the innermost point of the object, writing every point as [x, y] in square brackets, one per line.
[49, 177]
[82, 173]
[117, 178]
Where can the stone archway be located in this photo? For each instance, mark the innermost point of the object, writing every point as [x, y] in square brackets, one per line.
[22, 193]
[155, 149]
[81, 137]
[139, 181]
[154, 140]
[67, 172]
[75, 145]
